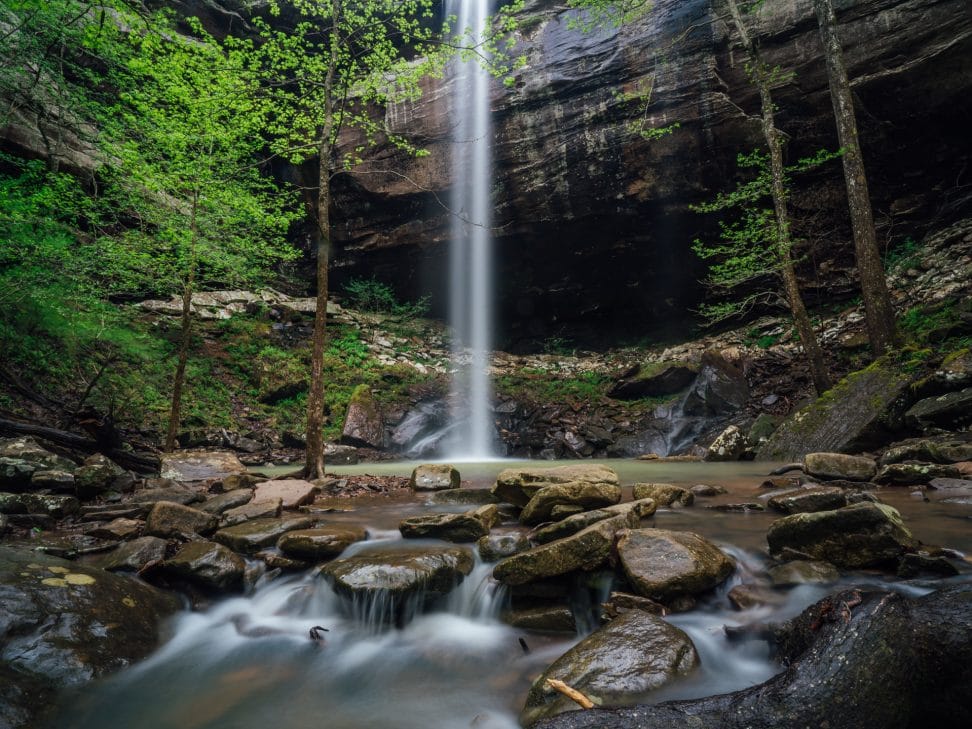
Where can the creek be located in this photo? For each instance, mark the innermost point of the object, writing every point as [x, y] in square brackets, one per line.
[249, 663]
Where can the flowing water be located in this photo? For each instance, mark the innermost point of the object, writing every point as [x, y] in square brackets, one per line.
[248, 662]
[471, 266]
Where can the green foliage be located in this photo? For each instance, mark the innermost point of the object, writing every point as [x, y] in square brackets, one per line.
[370, 294]
[929, 324]
[902, 255]
[607, 12]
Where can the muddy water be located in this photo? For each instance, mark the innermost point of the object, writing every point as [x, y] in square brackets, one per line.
[247, 663]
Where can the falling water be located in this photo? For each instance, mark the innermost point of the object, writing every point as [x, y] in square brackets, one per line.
[471, 266]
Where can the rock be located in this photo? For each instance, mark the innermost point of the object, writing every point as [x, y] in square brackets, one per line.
[906, 474]
[21, 457]
[254, 535]
[633, 654]
[229, 500]
[664, 494]
[57, 507]
[946, 450]
[746, 597]
[241, 514]
[581, 494]
[729, 445]
[807, 500]
[15, 473]
[463, 496]
[4, 524]
[65, 624]
[434, 477]
[494, 547]
[655, 380]
[839, 466]
[642, 508]
[200, 465]
[237, 481]
[859, 413]
[585, 550]
[208, 565]
[133, 555]
[364, 424]
[622, 602]
[950, 484]
[340, 455]
[744, 507]
[951, 411]
[719, 389]
[862, 535]
[801, 572]
[518, 485]
[61, 481]
[118, 530]
[914, 565]
[168, 519]
[544, 619]
[174, 493]
[320, 543]
[99, 474]
[290, 492]
[466, 527]
[389, 584]
[665, 565]
[703, 489]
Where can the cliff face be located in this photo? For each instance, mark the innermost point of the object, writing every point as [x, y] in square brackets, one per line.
[593, 221]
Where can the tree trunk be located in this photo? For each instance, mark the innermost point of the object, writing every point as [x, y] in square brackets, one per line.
[784, 243]
[874, 285]
[185, 336]
[314, 455]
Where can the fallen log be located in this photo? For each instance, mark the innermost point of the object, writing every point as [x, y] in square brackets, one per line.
[138, 462]
[855, 660]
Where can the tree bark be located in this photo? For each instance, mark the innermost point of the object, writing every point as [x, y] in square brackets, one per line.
[784, 243]
[874, 286]
[314, 455]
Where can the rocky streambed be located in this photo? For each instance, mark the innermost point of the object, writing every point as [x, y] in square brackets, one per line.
[501, 596]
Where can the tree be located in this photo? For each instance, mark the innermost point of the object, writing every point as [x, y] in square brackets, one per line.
[874, 287]
[327, 74]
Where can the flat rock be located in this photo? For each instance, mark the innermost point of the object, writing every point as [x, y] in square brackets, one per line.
[291, 492]
[57, 507]
[655, 380]
[61, 481]
[241, 514]
[663, 494]
[839, 466]
[254, 535]
[494, 547]
[469, 526]
[175, 493]
[208, 565]
[704, 489]
[748, 596]
[434, 477]
[633, 654]
[168, 519]
[862, 535]
[951, 411]
[463, 496]
[228, 500]
[518, 485]
[200, 465]
[320, 543]
[806, 500]
[665, 565]
[543, 619]
[117, 529]
[802, 572]
[577, 495]
[909, 474]
[643, 508]
[133, 555]
[951, 484]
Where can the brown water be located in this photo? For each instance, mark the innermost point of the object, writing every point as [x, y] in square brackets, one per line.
[247, 663]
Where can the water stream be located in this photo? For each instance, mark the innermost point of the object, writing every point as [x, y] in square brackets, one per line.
[248, 662]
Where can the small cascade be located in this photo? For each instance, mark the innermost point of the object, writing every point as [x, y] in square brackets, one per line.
[471, 257]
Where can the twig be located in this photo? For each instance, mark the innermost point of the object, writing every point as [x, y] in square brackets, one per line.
[570, 693]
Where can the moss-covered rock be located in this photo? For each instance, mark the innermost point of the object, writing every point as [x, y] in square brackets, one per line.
[254, 535]
[655, 380]
[839, 466]
[665, 565]
[908, 474]
[579, 496]
[469, 526]
[542, 619]
[803, 572]
[664, 494]
[364, 425]
[951, 411]
[208, 565]
[494, 547]
[320, 543]
[823, 498]
[518, 485]
[168, 519]
[643, 508]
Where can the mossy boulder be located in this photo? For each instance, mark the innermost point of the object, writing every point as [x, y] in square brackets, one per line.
[729, 445]
[655, 380]
[518, 485]
[208, 565]
[494, 547]
[168, 519]
[254, 535]
[99, 474]
[861, 412]
[862, 535]
[803, 572]
[133, 555]
[823, 498]
[664, 565]
[951, 411]
[948, 449]
[469, 526]
[634, 654]
[908, 474]
[664, 494]
[463, 497]
[56, 506]
[542, 619]
[719, 389]
[643, 508]
[364, 424]
[839, 466]
[320, 543]
[579, 495]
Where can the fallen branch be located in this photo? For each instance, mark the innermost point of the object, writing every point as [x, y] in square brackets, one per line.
[571, 693]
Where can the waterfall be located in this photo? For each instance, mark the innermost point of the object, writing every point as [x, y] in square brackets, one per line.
[470, 264]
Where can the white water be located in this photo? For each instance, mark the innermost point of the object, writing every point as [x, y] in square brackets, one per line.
[471, 264]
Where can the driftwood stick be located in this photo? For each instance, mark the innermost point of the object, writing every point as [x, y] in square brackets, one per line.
[571, 693]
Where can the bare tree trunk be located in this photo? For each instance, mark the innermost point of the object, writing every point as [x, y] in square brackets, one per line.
[784, 243]
[179, 379]
[314, 455]
[874, 286]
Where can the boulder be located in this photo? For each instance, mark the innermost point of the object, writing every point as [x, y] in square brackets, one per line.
[822, 498]
[254, 535]
[945, 450]
[62, 481]
[4, 524]
[622, 602]
[15, 473]
[541, 506]
[542, 619]
[237, 481]
[340, 455]
[585, 550]
[719, 389]
[364, 425]
[494, 547]
[241, 514]
[64, 624]
[643, 508]
[729, 445]
[57, 507]
[839, 466]
[100, 474]
[802, 572]
[663, 494]
[951, 411]
[133, 555]
[290, 492]
[748, 596]
[859, 413]
[118, 530]
[21, 457]
[469, 526]
[166, 490]
[463, 496]
[320, 543]
[704, 489]
[862, 535]
[665, 565]
[655, 380]
[168, 519]
[518, 485]
[200, 466]
[389, 584]
[208, 565]
[907, 474]
[434, 477]
[634, 654]
[229, 500]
